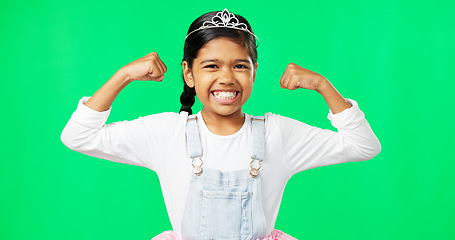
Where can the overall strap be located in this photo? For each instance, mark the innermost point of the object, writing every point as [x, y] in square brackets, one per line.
[193, 139]
[258, 128]
[193, 143]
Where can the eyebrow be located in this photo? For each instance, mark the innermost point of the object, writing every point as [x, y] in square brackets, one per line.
[209, 60]
[216, 60]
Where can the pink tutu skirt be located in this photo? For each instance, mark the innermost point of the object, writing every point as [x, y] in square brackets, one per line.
[275, 235]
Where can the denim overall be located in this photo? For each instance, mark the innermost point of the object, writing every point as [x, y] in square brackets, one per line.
[224, 205]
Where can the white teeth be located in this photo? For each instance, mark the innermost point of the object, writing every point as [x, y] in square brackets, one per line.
[224, 95]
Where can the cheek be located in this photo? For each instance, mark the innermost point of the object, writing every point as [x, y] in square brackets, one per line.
[199, 91]
[202, 91]
[247, 90]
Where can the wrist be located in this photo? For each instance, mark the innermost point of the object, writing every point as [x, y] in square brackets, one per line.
[323, 86]
[123, 76]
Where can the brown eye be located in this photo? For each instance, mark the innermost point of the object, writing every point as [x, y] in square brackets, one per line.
[211, 66]
[241, 66]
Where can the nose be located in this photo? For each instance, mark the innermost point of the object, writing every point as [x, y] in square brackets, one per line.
[226, 77]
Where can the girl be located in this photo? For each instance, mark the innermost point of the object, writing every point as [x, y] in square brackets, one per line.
[222, 172]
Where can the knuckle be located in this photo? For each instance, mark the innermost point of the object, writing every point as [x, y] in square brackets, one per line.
[291, 68]
[154, 55]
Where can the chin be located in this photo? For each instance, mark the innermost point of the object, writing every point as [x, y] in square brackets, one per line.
[228, 113]
[225, 111]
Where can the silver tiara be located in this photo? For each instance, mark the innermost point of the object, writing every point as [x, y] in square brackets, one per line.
[224, 19]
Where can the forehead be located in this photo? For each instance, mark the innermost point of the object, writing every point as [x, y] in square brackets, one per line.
[223, 48]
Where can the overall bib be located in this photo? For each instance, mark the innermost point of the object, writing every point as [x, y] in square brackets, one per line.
[224, 205]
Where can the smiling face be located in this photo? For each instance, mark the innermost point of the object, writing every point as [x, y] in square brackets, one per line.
[223, 75]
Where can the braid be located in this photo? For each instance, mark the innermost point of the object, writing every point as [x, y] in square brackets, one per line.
[187, 98]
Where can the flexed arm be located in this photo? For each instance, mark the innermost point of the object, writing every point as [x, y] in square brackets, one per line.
[128, 142]
[147, 68]
[295, 77]
[307, 147]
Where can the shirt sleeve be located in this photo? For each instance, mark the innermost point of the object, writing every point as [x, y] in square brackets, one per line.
[305, 147]
[133, 142]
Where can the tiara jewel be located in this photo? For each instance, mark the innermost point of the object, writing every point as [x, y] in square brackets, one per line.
[224, 19]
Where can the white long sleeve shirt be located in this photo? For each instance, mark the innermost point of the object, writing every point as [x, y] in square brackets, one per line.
[158, 142]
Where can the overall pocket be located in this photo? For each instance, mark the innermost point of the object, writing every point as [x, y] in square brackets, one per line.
[224, 215]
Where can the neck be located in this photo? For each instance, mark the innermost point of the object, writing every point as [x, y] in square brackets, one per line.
[223, 124]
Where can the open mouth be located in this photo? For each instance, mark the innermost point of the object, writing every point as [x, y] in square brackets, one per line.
[225, 97]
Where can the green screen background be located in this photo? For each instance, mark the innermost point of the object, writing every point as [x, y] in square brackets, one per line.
[395, 58]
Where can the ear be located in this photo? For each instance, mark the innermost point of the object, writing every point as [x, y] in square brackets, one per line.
[255, 69]
[187, 74]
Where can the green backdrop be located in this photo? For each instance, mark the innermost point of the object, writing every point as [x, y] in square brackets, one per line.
[396, 58]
